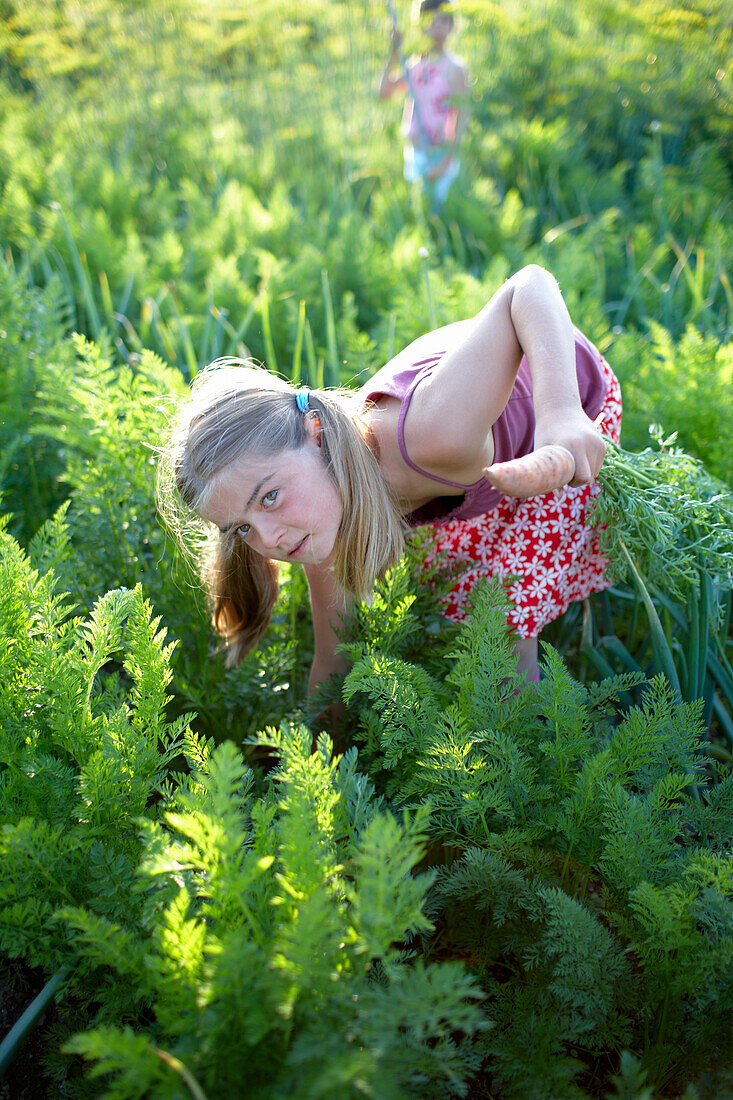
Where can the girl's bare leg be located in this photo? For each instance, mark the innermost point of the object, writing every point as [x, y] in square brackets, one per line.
[526, 650]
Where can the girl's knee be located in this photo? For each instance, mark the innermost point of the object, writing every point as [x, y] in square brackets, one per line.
[526, 650]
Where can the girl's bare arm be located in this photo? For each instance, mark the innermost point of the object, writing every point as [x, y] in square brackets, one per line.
[389, 83]
[328, 603]
[448, 425]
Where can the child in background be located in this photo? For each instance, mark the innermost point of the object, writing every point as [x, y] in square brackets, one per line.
[435, 113]
[333, 479]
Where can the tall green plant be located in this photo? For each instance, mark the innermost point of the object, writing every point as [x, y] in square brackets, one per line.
[281, 911]
[668, 526]
[574, 853]
[85, 749]
[684, 385]
[32, 324]
[270, 955]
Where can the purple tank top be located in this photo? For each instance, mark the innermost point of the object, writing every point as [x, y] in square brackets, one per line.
[513, 432]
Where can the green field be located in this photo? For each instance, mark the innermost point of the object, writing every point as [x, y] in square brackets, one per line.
[510, 896]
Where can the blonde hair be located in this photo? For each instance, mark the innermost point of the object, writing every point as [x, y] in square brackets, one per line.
[236, 408]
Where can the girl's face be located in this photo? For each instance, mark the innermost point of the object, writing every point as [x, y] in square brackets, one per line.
[437, 26]
[286, 507]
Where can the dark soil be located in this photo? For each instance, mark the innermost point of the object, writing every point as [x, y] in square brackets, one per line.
[24, 1078]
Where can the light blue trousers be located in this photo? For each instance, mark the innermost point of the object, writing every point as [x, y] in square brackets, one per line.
[418, 163]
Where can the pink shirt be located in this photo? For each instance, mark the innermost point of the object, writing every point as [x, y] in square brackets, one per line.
[432, 118]
[513, 432]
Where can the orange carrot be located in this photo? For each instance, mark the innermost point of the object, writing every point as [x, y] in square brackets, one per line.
[533, 474]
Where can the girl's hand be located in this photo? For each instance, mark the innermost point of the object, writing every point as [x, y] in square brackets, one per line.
[532, 475]
[551, 465]
[580, 435]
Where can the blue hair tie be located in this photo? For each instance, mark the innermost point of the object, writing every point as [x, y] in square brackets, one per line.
[301, 400]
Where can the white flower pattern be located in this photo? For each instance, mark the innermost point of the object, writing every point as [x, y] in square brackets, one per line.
[542, 540]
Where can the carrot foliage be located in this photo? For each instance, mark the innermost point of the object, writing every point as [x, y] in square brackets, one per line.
[669, 513]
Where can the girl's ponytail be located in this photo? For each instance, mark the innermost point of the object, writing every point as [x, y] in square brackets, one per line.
[371, 536]
[243, 586]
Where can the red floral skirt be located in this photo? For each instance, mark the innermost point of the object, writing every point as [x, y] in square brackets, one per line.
[543, 542]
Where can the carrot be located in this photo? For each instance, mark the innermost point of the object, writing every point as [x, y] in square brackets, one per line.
[533, 474]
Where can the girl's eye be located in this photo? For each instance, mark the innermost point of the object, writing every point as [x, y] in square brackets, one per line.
[243, 530]
[271, 497]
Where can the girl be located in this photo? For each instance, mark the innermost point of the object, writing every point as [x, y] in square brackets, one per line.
[435, 114]
[332, 479]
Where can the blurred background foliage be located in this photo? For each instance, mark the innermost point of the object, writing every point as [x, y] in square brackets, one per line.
[190, 154]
